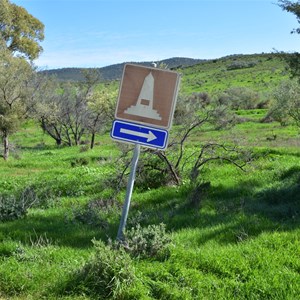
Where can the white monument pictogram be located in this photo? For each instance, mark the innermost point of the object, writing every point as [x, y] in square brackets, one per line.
[144, 104]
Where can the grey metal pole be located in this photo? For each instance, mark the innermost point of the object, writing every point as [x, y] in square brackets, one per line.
[129, 190]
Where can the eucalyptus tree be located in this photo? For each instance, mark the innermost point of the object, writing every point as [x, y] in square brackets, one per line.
[101, 104]
[15, 75]
[63, 109]
[293, 59]
[292, 7]
[74, 113]
[45, 106]
[20, 34]
[286, 104]
[20, 31]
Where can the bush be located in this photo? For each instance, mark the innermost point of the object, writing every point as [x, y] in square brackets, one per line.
[235, 65]
[151, 172]
[286, 103]
[15, 207]
[95, 212]
[148, 242]
[239, 98]
[81, 161]
[108, 274]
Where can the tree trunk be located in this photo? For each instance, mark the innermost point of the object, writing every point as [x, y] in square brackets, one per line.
[92, 140]
[58, 141]
[5, 146]
[172, 171]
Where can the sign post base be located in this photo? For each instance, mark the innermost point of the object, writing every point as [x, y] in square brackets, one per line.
[129, 190]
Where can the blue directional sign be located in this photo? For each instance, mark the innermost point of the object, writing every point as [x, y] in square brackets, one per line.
[139, 134]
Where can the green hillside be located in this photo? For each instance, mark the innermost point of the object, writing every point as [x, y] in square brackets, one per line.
[231, 233]
[114, 72]
[260, 72]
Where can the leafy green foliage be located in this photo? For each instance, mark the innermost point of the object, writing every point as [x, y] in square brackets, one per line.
[147, 242]
[20, 30]
[235, 65]
[108, 274]
[292, 59]
[12, 208]
[239, 98]
[286, 104]
[14, 76]
[292, 7]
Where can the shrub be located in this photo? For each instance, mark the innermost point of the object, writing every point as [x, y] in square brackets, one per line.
[81, 161]
[15, 207]
[95, 212]
[147, 242]
[239, 98]
[286, 103]
[151, 172]
[235, 65]
[108, 274]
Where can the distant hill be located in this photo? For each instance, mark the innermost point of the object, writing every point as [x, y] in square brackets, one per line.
[114, 72]
[259, 72]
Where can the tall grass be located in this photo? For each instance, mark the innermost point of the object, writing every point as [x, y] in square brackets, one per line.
[240, 241]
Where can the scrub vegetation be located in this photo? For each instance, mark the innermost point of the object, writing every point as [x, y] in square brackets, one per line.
[215, 216]
[231, 233]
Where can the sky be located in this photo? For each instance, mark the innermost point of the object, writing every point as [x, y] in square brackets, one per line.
[98, 33]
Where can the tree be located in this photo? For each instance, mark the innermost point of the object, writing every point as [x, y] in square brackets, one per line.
[46, 107]
[185, 160]
[20, 31]
[101, 104]
[292, 59]
[239, 98]
[15, 74]
[292, 7]
[286, 103]
[67, 111]
[62, 112]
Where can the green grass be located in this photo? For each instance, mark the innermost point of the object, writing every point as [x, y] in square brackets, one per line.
[241, 242]
[215, 76]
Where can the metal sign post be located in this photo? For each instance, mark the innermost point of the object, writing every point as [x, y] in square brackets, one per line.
[144, 113]
[129, 190]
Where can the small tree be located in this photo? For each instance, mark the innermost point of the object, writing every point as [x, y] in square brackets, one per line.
[183, 160]
[20, 34]
[15, 74]
[286, 103]
[101, 104]
[62, 112]
[67, 111]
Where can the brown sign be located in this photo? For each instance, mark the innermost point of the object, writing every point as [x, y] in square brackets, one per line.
[147, 95]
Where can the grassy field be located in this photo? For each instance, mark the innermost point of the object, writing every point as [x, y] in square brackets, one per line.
[260, 72]
[241, 241]
[60, 210]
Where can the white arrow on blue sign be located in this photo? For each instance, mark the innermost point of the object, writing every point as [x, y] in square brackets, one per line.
[139, 134]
